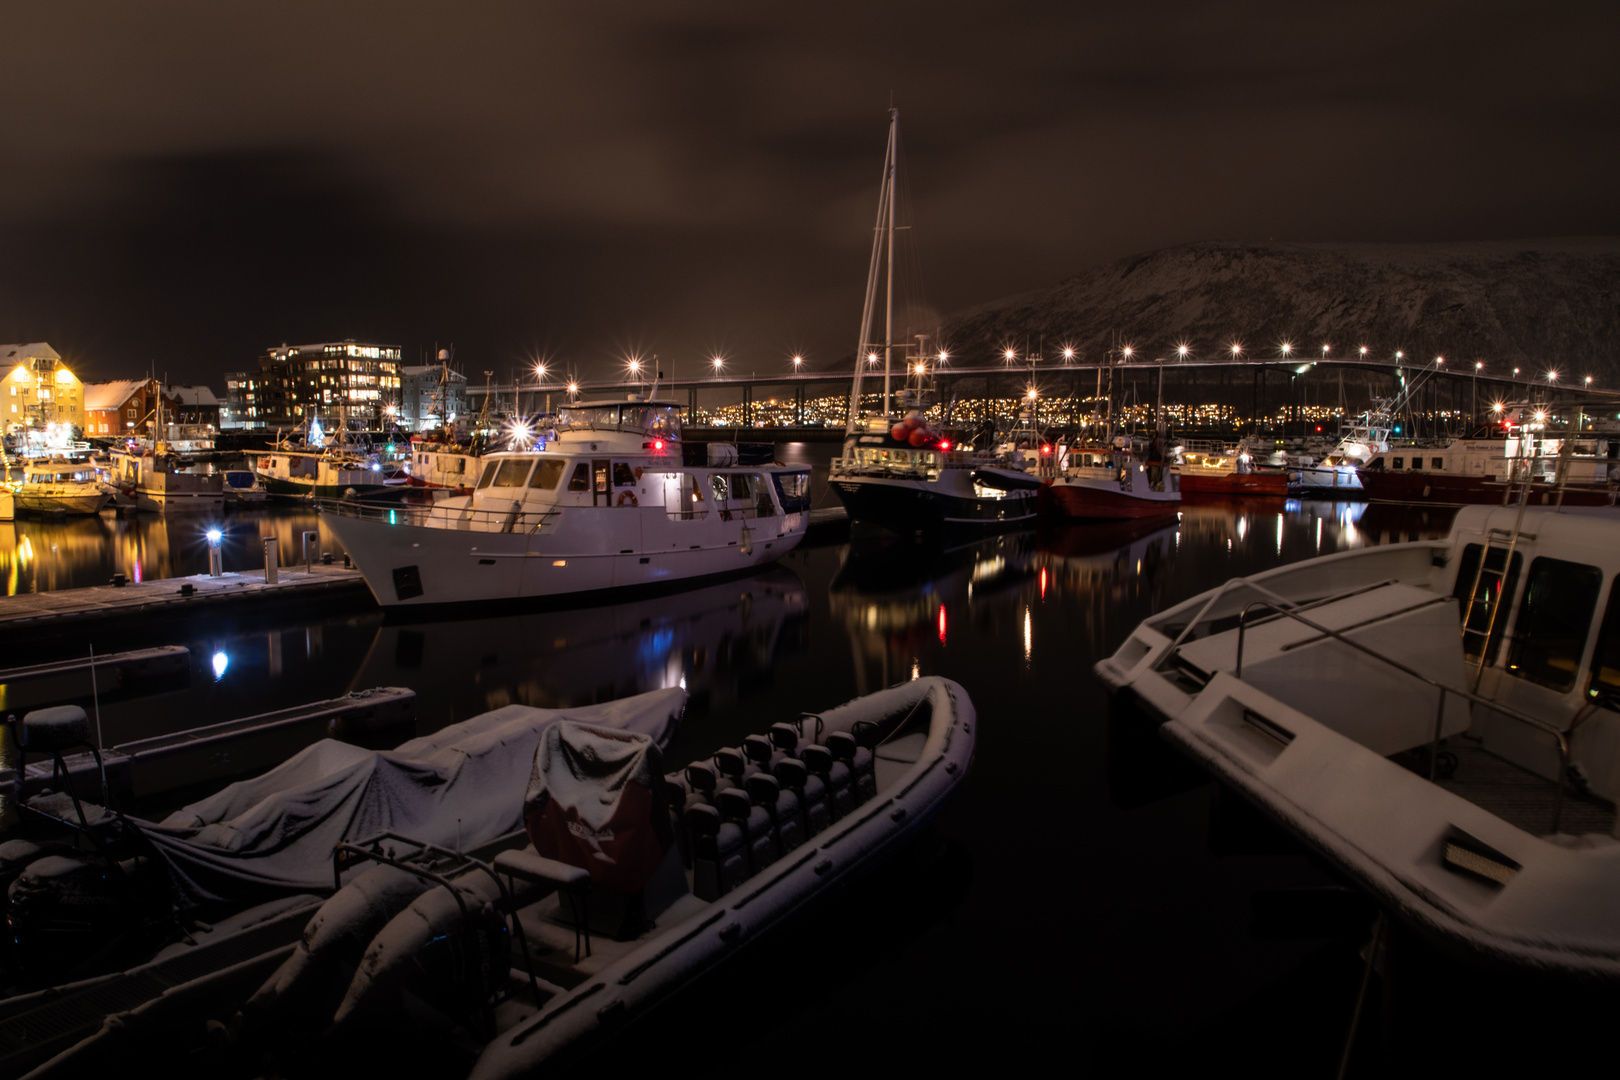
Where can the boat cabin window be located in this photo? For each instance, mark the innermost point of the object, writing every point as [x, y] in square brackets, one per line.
[546, 475]
[1437, 463]
[514, 471]
[623, 475]
[600, 469]
[1556, 612]
[1492, 587]
[489, 475]
[1604, 685]
[581, 480]
[721, 487]
[1397, 463]
[794, 491]
[689, 497]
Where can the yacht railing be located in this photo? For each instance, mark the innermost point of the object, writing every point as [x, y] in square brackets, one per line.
[1281, 606]
[517, 519]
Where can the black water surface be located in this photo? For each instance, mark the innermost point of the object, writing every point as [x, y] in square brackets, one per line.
[1082, 902]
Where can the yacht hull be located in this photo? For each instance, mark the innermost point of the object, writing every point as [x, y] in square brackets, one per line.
[1440, 489]
[907, 505]
[61, 504]
[590, 549]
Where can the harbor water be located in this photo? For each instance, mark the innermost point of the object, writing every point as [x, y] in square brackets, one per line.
[1080, 859]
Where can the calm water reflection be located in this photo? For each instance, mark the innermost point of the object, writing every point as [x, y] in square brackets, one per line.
[1064, 874]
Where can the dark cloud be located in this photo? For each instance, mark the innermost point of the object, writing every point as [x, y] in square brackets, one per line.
[183, 184]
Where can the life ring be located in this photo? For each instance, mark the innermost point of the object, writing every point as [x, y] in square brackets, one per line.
[630, 497]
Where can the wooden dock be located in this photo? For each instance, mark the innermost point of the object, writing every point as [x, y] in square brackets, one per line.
[31, 615]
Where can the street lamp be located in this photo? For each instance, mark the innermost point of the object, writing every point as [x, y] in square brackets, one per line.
[718, 362]
[1068, 354]
[1324, 352]
[1236, 349]
[1008, 355]
[1182, 351]
[1364, 352]
[798, 364]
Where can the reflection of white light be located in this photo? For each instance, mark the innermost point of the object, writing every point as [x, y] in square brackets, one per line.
[1029, 635]
[683, 682]
[221, 662]
[1243, 527]
[1279, 533]
[915, 671]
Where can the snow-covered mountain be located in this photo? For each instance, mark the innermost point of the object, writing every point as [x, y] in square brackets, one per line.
[1538, 303]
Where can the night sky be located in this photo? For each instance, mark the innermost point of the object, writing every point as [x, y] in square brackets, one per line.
[184, 184]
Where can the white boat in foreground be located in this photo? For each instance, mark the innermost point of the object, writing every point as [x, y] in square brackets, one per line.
[1463, 770]
[616, 501]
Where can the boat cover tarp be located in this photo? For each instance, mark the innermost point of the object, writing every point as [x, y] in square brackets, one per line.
[590, 804]
[458, 787]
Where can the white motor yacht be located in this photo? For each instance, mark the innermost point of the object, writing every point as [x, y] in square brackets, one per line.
[62, 487]
[617, 500]
[1439, 719]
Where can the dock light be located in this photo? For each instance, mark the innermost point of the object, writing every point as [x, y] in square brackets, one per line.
[220, 661]
[214, 536]
[216, 558]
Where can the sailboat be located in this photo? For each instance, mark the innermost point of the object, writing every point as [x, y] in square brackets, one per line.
[895, 470]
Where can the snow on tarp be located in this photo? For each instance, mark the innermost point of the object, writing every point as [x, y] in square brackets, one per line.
[593, 802]
[459, 787]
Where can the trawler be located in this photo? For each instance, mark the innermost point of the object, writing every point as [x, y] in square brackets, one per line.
[616, 500]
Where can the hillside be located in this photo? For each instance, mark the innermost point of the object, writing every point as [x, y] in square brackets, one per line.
[1532, 303]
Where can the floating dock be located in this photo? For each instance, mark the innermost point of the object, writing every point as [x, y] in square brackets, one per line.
[30, 615]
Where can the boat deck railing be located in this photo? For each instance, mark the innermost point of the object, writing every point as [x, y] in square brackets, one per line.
[1283, 607]
[515, 519]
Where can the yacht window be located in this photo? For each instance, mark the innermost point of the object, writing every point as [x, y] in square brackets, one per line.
[581, 480]
[739, 487]
[794, 491]
[1553, 619]
[489, 475]
[1491, 587]
[546, 475]
[1437, 463]
[721, 489]
[623, 476]
[691, 497]
[514, 471]
[1605, 682]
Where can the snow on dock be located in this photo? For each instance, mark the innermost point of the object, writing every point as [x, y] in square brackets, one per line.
[30, 614]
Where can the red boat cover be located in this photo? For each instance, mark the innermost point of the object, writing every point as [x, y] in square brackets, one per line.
[594, 802]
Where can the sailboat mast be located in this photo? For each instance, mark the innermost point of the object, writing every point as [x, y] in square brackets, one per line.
[871, 282]
[888, 324]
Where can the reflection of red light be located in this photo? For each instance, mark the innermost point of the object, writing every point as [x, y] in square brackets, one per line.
[1043, 583]
[942, 624]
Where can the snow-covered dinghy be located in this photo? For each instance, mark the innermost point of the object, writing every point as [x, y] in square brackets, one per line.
[635, 882]
[1439, 719]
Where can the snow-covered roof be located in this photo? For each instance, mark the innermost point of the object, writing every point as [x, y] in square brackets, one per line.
[190, 394]
[16, 354]
[110, 395]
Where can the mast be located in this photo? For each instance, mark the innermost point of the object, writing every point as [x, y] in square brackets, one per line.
[888, 323]
[885, 201]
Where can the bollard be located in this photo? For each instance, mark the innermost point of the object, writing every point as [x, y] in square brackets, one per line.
[312, 550]
[216, 564]
[272, 560]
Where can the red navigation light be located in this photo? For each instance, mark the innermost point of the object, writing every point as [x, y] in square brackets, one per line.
[1319, 429]
[658, 444]
[1046, 449]
[944, 444]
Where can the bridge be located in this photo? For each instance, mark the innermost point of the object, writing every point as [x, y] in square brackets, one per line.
[1068, 380]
